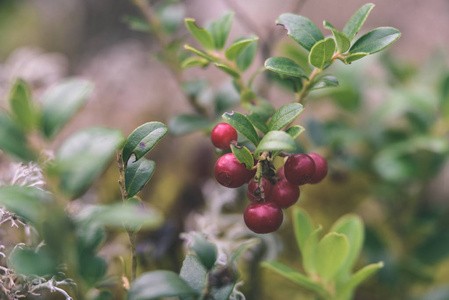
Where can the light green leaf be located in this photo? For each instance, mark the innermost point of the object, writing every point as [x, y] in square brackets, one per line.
[331, 253]
[185, 124]
[137, 174]
[243, 155]
[321, 53]
[342, 41]
[300, 29]
[246, 56]
[295, 131]
[200, 53]
[356, 22]
[360, 276]
[13, 140]
[84, 156]
[244, 246]
[325, 82]
[143, 139]
[242, 125]
[376, 40]
[228, 70]
[157, 284]
[22, 105]
[202, 36]
[309, 251]
[285, 115]
[285, 66]
[194, 273]
[61, 102]
[275, 141]
[220, 29]
[258, 122]
[235, 49]
[303, 227]
[195, 62]
[355, 56]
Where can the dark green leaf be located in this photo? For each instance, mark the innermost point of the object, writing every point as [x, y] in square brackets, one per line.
[295, 131]
[90, 236]
[92, 268]
[228, 70]
[375, 40]
[220, 29]
[12, 139]
[235, 49]
[356, 22]
[205, 250]
[29, 262]
[285, 115]
[275, 141]
[157, 284]
[301, 29]
[258, 122]
[246, 56]
[243, 155]
[143, 139]
[194, 273]
[84, 156]
[185, 124]
[242, 125]
[61, 102]
[325, 82]
[260, 106]
[331, 253]
[195, 62]
[225, 100]
[321, 53]
[203, 36]
[285, 66]
[341, 39]
[22, 106]
[303, 227]
[200, 53]
[137, 174]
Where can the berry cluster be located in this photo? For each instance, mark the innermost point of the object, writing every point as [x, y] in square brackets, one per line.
[269, 191]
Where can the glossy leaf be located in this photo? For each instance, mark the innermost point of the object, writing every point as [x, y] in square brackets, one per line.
[342, 41]
[246, 56]
[325, 82]
[300, 29]
[285, 66]
[22, 105]
[220, 29]
[84, 156]
[137, 174]
[235, 49]
[242, 125]
[204, 249]
[143, 139]
[243, 155]
[157, 284]
[200, 53]
[195, 62]
[13, 140]
[360, 276]
[321, 53]
[275, 141]
[202, 36]
[61, 102]
[355, 56]
[331, 253]
[285, 115]
[309, 251]
[356, 22]
[185, 124]
[303, 227]
[194, 273]
[228, 70]
[375, 40]
[258, 122]
[295, 131]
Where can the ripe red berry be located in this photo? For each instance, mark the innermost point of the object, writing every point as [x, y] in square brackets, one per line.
[254, 193]
[230, 173]
[263, 217]
[320, 168]
[284, 193]
[299, 169]
[222, 135]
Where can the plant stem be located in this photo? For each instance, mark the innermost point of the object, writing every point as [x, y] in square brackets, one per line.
[305, 89]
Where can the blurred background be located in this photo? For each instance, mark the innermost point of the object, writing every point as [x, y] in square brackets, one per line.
[384, 131]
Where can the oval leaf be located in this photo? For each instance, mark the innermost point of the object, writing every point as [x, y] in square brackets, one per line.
[376, 40]
[321, 53]
[29, 262]
[205, 250]
[195, 62]
[258, 122]
[185, 124]
[22, 106]
[275, 141]
[193, 272]
[300, 29]
[157, 284]
[220, 29]
[355, 56]
[143, 139]
[246, 56]
[228, 70]
[325, 82]
[356, 22]
[285, 115]
[303, 227]
[235, 49]
[295, 131]
[309, 251]
[137, 174]
[342, 41]
[285, 66]
[12, 139]
[331, 253]
[203, 36]
[61, 102]
[242, 125]
[243, 155]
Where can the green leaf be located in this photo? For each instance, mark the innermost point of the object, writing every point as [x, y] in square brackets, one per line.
[90, 236]
[244, 246]
[61, 102]
[205, 250]
[300, 29]
[242, 125]
[29, 262]
[356, 22]
[360, 276]
[375, 40]
[137, 174]
[295, 131]
[275, 141]
[285, 115]
[200, 53]
[185, 124]
[331, 253]
[302, 224]
[243, 155]
[228, 70]
[256, 105]
[342, 41]
[143, 139]
[246, 56]
[92, 268]
[220, 29]
[321, 53]
[195, 62]
[137, 23]
[325, 82]
[202, 36]
[236, 48]
[309, 251]
[355, 56]
[84, 156]
[13, 140]
[22, 106]
[194, 273]
[258, 122]
[285, 66]
[294, 276]
[157, 284]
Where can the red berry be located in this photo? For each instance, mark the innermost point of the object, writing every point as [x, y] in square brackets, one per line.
[284, 193]
[263, 217]
[230, 173]
[222, 135]
[299, 169]
[254, 193]
[320, 168]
